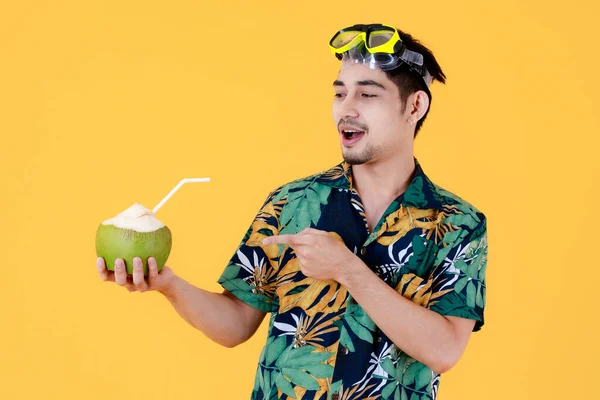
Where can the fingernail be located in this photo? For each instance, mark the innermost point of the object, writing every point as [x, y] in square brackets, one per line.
[266, 241]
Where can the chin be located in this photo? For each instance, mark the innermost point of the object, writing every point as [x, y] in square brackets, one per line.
[356, 159]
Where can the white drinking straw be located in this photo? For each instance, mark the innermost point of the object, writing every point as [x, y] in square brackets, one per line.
[167, 197]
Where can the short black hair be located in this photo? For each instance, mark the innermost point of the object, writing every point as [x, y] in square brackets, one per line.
[409, 81]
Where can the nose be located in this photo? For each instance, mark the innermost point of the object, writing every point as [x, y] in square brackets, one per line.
[348, 107]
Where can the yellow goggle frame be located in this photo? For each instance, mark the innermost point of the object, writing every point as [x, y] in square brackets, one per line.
[377, 38]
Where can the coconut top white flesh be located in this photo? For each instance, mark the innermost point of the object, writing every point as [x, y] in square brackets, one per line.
[137, 218]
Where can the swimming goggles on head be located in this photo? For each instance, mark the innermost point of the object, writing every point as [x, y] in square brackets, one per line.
[378, 46]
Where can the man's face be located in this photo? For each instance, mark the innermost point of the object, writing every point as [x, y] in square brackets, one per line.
[368, 103]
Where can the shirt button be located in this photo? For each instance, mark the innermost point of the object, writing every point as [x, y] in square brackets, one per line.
[363, 251]
[335, 396]
[344, 350]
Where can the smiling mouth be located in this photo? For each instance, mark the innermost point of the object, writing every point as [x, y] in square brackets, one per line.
[349, 134]
[350, 137]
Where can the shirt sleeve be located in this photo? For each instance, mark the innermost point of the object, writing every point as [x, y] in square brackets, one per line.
[251, 274]
[459, 281]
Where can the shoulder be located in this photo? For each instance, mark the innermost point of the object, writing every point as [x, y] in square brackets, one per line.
[334, 177]
[461, 214]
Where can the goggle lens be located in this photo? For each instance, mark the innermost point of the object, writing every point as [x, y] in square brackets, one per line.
[343, 38]
[379, 38]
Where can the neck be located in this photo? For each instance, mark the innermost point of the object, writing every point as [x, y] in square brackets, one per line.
[384, 179]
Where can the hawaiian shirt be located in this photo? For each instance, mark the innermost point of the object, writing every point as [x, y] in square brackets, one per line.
[429, 245]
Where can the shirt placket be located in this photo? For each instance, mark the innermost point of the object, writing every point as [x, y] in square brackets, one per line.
[372, 235]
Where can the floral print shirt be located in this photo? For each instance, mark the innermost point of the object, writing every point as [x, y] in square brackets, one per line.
[429, 245]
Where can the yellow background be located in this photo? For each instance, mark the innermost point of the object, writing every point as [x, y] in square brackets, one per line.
[107, 103]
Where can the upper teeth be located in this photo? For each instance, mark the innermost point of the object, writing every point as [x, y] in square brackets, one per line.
[351, 131]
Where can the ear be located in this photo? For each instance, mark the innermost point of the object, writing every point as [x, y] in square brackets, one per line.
[419, 104]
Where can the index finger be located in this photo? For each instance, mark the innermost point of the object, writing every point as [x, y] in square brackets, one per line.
[284, 239]
[102, 271]
[308, 230]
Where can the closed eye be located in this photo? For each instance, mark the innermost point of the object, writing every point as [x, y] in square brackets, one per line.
[368, 96]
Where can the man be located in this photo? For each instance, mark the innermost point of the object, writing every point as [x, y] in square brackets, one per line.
[373, 276]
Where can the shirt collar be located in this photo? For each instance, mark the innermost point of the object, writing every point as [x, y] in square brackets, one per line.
[420, 193]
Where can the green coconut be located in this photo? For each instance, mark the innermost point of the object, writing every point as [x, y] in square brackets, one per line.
[133, 233]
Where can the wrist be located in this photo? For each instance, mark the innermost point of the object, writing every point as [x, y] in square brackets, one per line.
[171, 288]
[349, 271]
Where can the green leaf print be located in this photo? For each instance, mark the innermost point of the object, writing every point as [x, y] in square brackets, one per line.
[460, 285]
[388, 366]
[307, 359]
[481, 233]
[314, 205]
[267, 380]
[411, 373]
[285, 386]
[473, 268]
[359, 314]
[319, 370]
[471, 294]
[258, 381]
[301, 378]
[404, 395]
[359, 330]
[389, 389]
[479, 298]
[481, 273]
[260, 376]
[454, 304]
[345, 339]
[424, 378]
[415, 396]
[441, 255]
[414, 194]
[296, 194]
[264, 350]
[302, 217]
[466, 209]
[451, 237]
[242, 285]
[288, 212]
[462, 266]
[231, 272]
[334, 388]
[423, 256]
[463, 220]
[483, 297]
[275, 350]
[303, 206]
[324, 192]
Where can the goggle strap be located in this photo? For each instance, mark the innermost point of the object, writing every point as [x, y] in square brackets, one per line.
[428, 78]
[416, 59]
[412, 57]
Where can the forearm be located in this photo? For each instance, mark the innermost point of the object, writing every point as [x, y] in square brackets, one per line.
[215, 314]
[421, 333]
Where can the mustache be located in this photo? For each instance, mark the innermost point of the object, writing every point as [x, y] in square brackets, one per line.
[353, 124]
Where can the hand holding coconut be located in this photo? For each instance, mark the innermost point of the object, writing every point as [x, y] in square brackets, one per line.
[134, 245]
[136, 282]
[132, 249]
